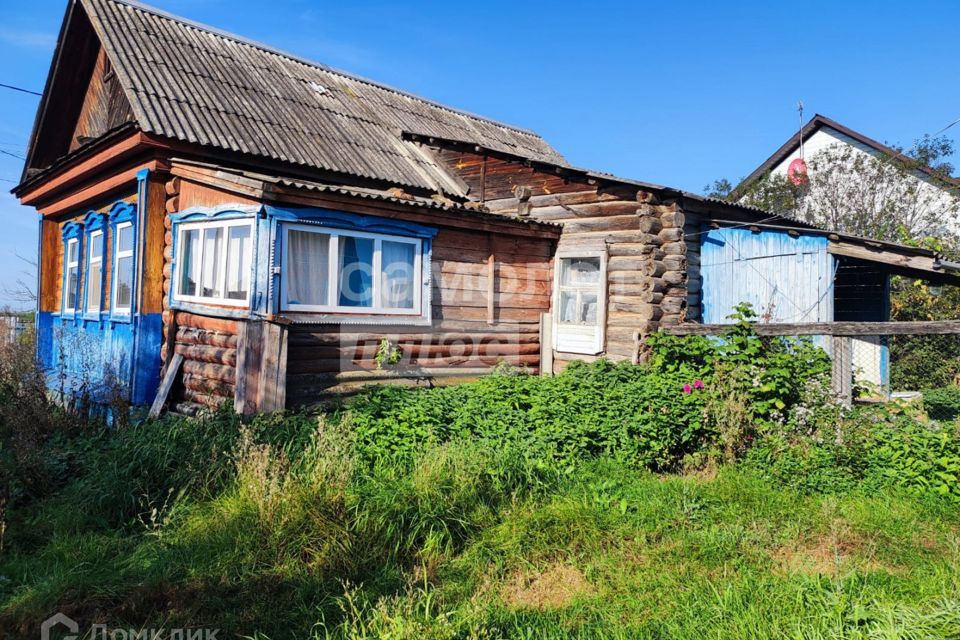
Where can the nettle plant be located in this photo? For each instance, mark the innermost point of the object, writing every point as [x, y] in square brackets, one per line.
[769, 375]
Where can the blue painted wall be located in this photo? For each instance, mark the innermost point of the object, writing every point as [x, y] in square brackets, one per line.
[785, 278]
[96, 354]
[790, 279]
[97, 357]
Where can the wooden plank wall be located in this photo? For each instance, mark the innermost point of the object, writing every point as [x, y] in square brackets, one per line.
[463, 342]
[642, 235]
[491, 178]
[105, 107]
[692, 232]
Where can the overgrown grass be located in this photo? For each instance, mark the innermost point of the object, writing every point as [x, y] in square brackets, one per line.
[292, 536]
[608, 502]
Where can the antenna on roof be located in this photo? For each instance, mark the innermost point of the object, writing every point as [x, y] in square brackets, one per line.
[800, 111]
[797, 171]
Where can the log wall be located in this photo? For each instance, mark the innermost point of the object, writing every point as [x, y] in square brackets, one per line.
[209, 350]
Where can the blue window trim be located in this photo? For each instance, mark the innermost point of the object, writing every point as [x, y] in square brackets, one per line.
[214, 214]
[344, 221]
[93, 222]
[71, 231]
[121, 212]
[265, 276]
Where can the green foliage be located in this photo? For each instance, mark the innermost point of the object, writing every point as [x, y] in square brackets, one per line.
[770, 373]
[920, 362]
[632, 413]
[942, 403]
[870, 448]
[387, 354]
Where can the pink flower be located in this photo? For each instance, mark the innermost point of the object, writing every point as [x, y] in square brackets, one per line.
[687, 388]
[698, 384]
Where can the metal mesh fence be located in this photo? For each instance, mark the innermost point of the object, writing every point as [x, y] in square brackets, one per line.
[920, 372]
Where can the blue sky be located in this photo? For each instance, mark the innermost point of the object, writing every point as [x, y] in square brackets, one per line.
[677, 93]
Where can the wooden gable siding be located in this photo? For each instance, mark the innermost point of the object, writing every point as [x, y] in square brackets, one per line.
[492, 178]
[104, 108]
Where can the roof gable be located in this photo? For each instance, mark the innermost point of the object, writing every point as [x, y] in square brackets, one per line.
[198, 85]
[815, 124]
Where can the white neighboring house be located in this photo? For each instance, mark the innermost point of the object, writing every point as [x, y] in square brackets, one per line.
[937, 195]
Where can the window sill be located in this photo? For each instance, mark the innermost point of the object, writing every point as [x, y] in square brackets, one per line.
[239, 313]
[578, 352]
[342, 319]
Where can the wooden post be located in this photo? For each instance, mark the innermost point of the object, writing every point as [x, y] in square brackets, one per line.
[272, 392]
[546, 344]
[843, 369]
[249, 345]
[491, 283]
[261, 384]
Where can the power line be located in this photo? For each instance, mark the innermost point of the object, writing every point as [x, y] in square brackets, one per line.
[20, 89]
[7, 153]
[957, 121]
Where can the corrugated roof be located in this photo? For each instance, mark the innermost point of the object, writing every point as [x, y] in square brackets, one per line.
[196, 84]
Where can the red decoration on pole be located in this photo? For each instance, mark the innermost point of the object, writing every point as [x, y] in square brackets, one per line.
[797, 172]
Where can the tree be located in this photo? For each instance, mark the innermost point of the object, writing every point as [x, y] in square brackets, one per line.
[887, 197]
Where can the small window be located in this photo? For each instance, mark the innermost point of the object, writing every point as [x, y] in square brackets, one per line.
[579, 304]
[123, 268]
[214, 262]
[351, 272]
[94, 272]
[71, 275]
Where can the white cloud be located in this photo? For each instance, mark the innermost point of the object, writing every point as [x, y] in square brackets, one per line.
[27, 38]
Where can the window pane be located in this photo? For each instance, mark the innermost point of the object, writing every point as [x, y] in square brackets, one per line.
[96, 247]
[124, 239]
[580, 271]
[94, 280]
[397, 260]
[238, 262]
[189, 256]
[308, 268]
[568, 306]
[71, 251]
[587, 312]
[71, 301]
[124, 282]
[356, 269]
[212, 257]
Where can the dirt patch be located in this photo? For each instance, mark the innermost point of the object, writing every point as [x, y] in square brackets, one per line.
[554, 588]
[830, 554]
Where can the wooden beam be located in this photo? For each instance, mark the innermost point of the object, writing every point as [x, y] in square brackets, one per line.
[930, 327]
[92, 166]
[884, 256]
[98, 190]
[165, 385]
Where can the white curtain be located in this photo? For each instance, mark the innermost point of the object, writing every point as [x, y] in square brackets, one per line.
[238, 262]
[212, 248]
[308, 268]
[397, 280]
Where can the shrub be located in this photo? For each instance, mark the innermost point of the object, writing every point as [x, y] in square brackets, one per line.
[631, 413]
[942, 403]
[872, 448]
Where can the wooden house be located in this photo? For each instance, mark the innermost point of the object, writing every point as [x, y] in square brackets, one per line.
[250, 226]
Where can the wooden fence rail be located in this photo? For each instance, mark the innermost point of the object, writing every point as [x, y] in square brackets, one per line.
[842, 338]
[930, 327]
